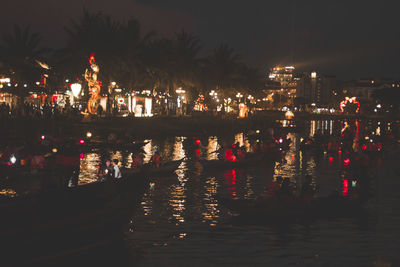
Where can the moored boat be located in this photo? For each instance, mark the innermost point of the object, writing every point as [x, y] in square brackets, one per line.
[250, 160]
[43, 224]
[149, 169]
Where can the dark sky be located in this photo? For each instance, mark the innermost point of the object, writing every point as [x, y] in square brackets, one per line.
[350, 39]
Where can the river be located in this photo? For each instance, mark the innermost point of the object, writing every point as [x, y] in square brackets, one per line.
[180, 220]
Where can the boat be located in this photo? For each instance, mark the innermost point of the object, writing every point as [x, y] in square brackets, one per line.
[150, 170]
[35, 227]
[250, 160]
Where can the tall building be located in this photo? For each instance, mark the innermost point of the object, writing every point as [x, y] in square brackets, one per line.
[314, 88]
[283, 75]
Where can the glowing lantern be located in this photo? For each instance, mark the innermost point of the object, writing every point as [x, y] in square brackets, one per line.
[289, 115]
[76, 89]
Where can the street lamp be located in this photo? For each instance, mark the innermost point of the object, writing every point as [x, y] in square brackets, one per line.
[76, 90]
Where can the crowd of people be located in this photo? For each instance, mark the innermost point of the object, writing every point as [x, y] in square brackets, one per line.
[32, 111]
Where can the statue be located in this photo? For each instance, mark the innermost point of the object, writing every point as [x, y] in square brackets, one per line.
[94, 85]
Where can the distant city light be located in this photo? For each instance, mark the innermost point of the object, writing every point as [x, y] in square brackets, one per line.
[313, 75]
[180, 91]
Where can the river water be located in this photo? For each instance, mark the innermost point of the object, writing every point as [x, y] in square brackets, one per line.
[180, 220]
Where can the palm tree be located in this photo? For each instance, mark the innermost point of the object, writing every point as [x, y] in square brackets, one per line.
[21, 52]
[223, 66]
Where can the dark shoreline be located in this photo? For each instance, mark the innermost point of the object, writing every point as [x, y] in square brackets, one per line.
[156, 126]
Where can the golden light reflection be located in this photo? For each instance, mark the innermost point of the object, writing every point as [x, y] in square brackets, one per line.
[211, 214]
[166, 152]
[177, 202]
[179, 152]
[212, 147]
[147, 203]
[8, 192]
[128, 161]
[312, 128]
[89, 168]
[301, 160]
[239, 138]
[148, 151]
[117, 155]
[248, 188]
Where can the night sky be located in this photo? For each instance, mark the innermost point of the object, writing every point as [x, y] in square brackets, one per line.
[350, 39]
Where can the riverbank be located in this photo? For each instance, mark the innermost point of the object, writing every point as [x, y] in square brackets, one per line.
[157, 126]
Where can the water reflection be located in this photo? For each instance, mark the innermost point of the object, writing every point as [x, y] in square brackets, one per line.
[182, 215]
[178, 152]
[212, 147]
[89, 168]
[177, 201]
[211, 212]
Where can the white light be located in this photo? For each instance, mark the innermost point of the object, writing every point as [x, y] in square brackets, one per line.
[180, 91]
[379, 106]
[13, 159]
[37, 83]
[118, 90]
[375, 110]
[25, 85]
[9, 84]
[113, 83]
[89, 134]
[76, 89]
[313, 75]
[67, 81]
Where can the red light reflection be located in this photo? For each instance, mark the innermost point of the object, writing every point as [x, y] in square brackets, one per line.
[345, 191]
[230, 180]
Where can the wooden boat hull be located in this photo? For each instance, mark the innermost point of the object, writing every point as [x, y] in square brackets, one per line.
[46, 224]
[149, 170]
[253, 159]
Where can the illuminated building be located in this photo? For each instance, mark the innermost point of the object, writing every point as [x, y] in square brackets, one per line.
[281, 82]
[283, 75]
[315, 88]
